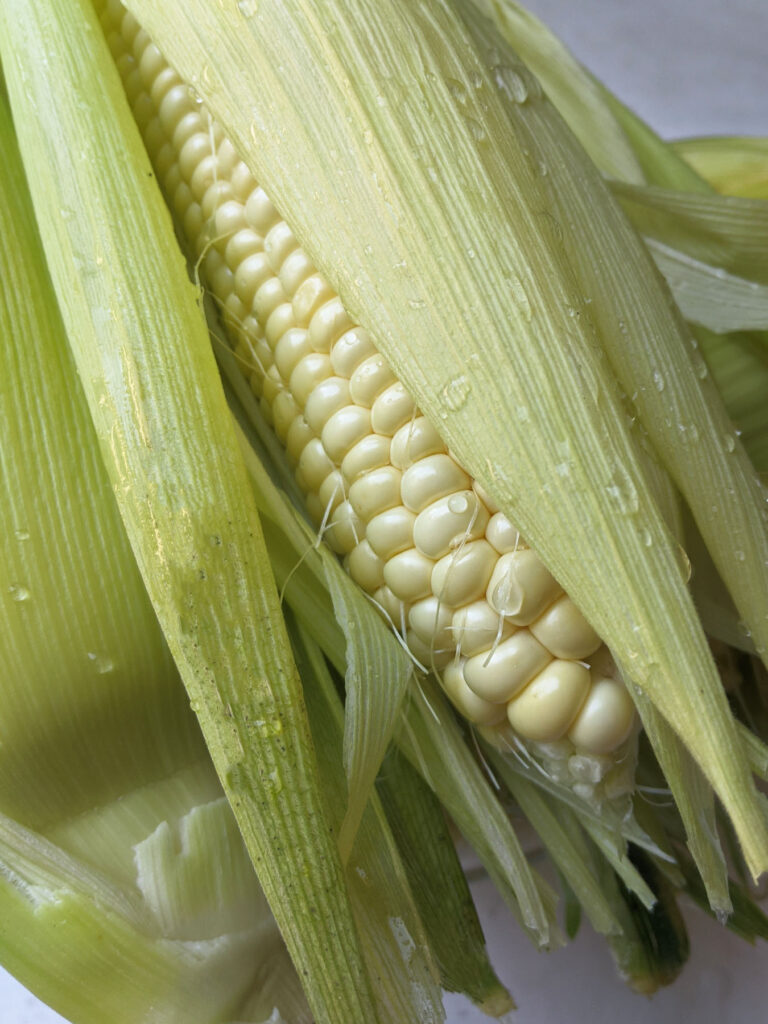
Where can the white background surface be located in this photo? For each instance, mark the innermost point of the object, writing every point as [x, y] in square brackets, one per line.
[689, 67]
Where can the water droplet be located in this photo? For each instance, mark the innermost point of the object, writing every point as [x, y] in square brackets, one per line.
[523, 413]
[729, 442]
[476, 130]
[368, 137]
[511, 83]
[214, 540]
[456, 392]
[658, 380]
[417, 303]
[684, 563]
[646, 538]
[622, 492]
[19, 592]
[508, 595]
[458, 504]
[102, 663]
[457, 90]
[248, 8]
[520, 298]
[739, 556]
[476, 80]
[471, 253]
[21, 534]
[563, 469]
[368, 250]
[743, 628]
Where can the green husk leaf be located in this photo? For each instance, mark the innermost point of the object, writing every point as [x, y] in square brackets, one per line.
[392, 183]
[178, 476]
[723, 231]
[735, 165]
[116, 679]
[565, 842]
[431, 740]
[571, 89]
[394, 942]
[710, 296]
[439, 886]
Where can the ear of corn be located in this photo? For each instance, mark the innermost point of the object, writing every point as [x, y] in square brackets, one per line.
[372, 167]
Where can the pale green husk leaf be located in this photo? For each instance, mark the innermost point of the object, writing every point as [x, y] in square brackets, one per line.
[735, 166]
[178, 475]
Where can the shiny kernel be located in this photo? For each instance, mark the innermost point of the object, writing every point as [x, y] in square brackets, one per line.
[151, 65]
[565, 632]
[193, 223]
[308, 297]
[327, 325]
[216, 194]
[502, 534]
[278, 322]
[195, 149]
[314, 464]
[298, 437]
[154, 139]
[365, 567]
[192, 123]
[467, 703]
[546, 708]
[521, 588]
[260, 213]
[350, 350]
[427, 654]
[369, 379]
[409, 575]
[250, 275]
[242, 242]
[605, 719]
[266, 300]
[272, 385]
[462, 576]
[310, 370]
[392, 409]
[476, 628]
[431, 622]
[370, 452]
[242, 181]
[203, 176]
[391, 532]
[315, 509]
[182, 198]
[449, 521]
[326, 398]
[177, 103]
[375, 492]
[393, 608]
[332, 491]
[345, 429]
[284, 412]
[222, 282]
[165, 81]
[345, 529]
[415, 440]
[431, 478]
[279, 243]
[290, 349]
[501, 672]
[296, 268]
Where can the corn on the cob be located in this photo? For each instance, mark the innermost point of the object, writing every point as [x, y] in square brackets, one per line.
[450, 571]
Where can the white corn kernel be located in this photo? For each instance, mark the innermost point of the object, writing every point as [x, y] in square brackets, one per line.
[260, 213]
[449, 521]
[462, 575]
[365, 567]
[605, 719]
[564, 631]
[350, 350]
[477, 627]
[409, 575]
[345, 429]
[310, 370]
[298, 437]
[369, 452]
[501, 672]
[502, 534]
[327, 325]
[392, 607]
[415, 440]
[391, 532]
[431, 478]
[474, 708]
[393, 408]
[308, 297]
[314, 464]
[376, 492]
[431, 622]
[520, 587]
[290, 349]
[369, 379]
[326, 398]
[546, 708]
[345, 529]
